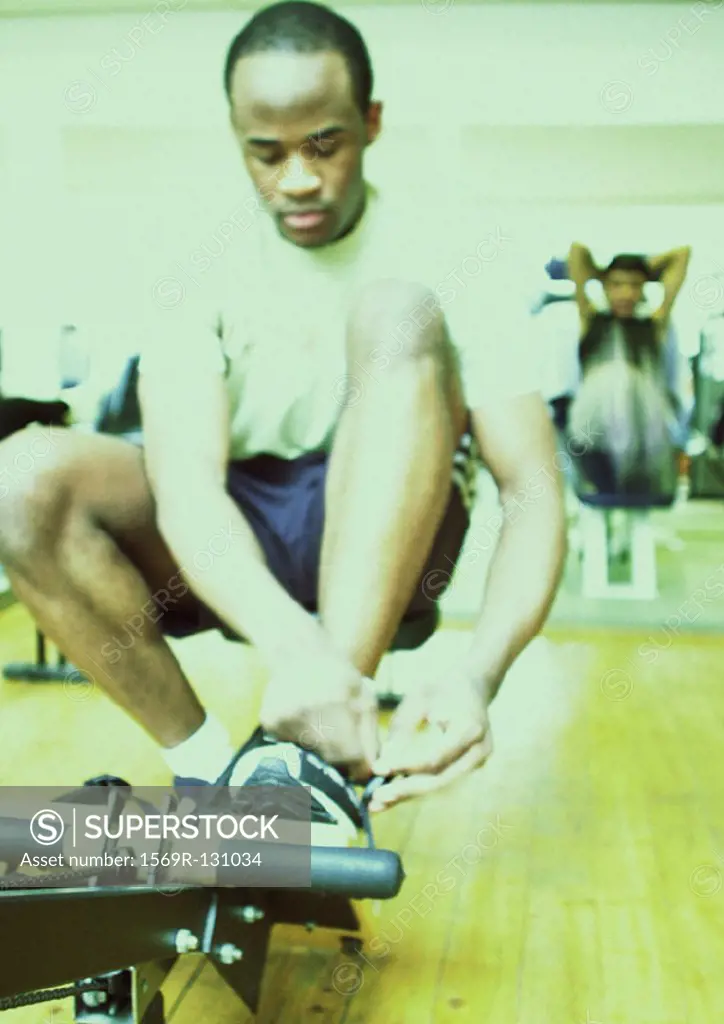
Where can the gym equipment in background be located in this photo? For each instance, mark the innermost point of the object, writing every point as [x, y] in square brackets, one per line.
[617, 537]
[707, 467]
[601, 561]
[15, 415]
[73, 358]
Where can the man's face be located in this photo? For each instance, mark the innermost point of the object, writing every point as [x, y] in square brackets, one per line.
[624, 290]
[303, 138]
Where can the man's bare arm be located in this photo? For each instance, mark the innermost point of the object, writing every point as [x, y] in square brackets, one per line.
[581, 270]
[670, 269]
[186, 429]
[517, 443]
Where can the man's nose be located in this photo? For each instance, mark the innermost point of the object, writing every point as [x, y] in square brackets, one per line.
[298, 179]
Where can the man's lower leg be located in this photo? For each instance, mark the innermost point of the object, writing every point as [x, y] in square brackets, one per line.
[389, 481]
[89, 599]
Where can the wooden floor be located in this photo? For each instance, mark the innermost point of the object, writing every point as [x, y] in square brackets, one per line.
[577, 879]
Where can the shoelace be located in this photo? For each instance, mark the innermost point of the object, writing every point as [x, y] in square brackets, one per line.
[368, 792]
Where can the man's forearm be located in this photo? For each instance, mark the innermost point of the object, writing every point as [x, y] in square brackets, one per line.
[670, 270]
[221, 560]
[581, 270]
[658, 264]
[522, 582]
[581, 267]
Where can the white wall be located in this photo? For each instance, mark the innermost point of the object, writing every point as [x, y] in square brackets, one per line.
[599, 122]
[507, 64]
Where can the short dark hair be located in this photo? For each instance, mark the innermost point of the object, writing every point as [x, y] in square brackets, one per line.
[298, 26]
[630, 262]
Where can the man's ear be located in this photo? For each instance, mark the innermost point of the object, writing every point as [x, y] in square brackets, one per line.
[373, 122]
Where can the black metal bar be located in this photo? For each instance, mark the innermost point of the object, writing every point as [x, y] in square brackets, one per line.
[30, 672]
[352, 872]
[42, 670]
[132, 926]
[155, 1013]
[248, 927]
[251, 940]
[127, 997]
[295, 906]
[59, 936]
[147, 979]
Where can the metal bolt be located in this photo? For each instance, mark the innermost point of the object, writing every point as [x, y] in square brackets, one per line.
[186, 941]
[252, 914]
[229, 953]
[92, 999]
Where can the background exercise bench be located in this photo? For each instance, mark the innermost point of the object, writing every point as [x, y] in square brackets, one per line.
[598, 559]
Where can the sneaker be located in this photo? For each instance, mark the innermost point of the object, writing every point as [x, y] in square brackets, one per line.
[185, 782]
[336, 810]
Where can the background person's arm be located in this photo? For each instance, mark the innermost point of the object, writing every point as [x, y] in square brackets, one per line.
[670, 270]
[186, 423]
[581, 270]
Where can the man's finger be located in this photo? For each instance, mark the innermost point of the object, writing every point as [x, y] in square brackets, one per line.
[419, 785]
[401, 789]
[427, 752]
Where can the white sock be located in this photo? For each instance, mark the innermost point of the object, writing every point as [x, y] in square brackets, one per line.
[204, 755]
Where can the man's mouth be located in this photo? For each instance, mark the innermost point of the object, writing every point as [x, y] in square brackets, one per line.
[304, 221]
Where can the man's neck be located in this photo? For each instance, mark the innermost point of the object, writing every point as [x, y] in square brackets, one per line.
[356, 218]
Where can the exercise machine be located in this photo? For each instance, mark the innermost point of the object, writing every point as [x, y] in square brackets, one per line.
[108, 937]
[707, 466]
[601, 560]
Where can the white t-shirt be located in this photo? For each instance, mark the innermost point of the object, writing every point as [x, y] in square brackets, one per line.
[272, 315]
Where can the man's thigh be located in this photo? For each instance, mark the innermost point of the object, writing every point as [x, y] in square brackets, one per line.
[63, 471]
[284, 502]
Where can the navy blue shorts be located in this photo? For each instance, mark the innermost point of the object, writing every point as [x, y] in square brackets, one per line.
[284, 503]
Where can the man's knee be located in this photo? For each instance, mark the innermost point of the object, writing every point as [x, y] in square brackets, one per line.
[397, 320]
[34, 466]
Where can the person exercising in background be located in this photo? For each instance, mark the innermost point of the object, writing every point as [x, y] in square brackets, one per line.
[628, 368]
[317, 409]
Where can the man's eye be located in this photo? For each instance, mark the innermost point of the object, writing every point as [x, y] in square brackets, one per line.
[269, 159]
[324, 147]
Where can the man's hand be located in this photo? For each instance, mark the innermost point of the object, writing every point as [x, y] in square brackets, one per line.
[438, 734]
[320, 701]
